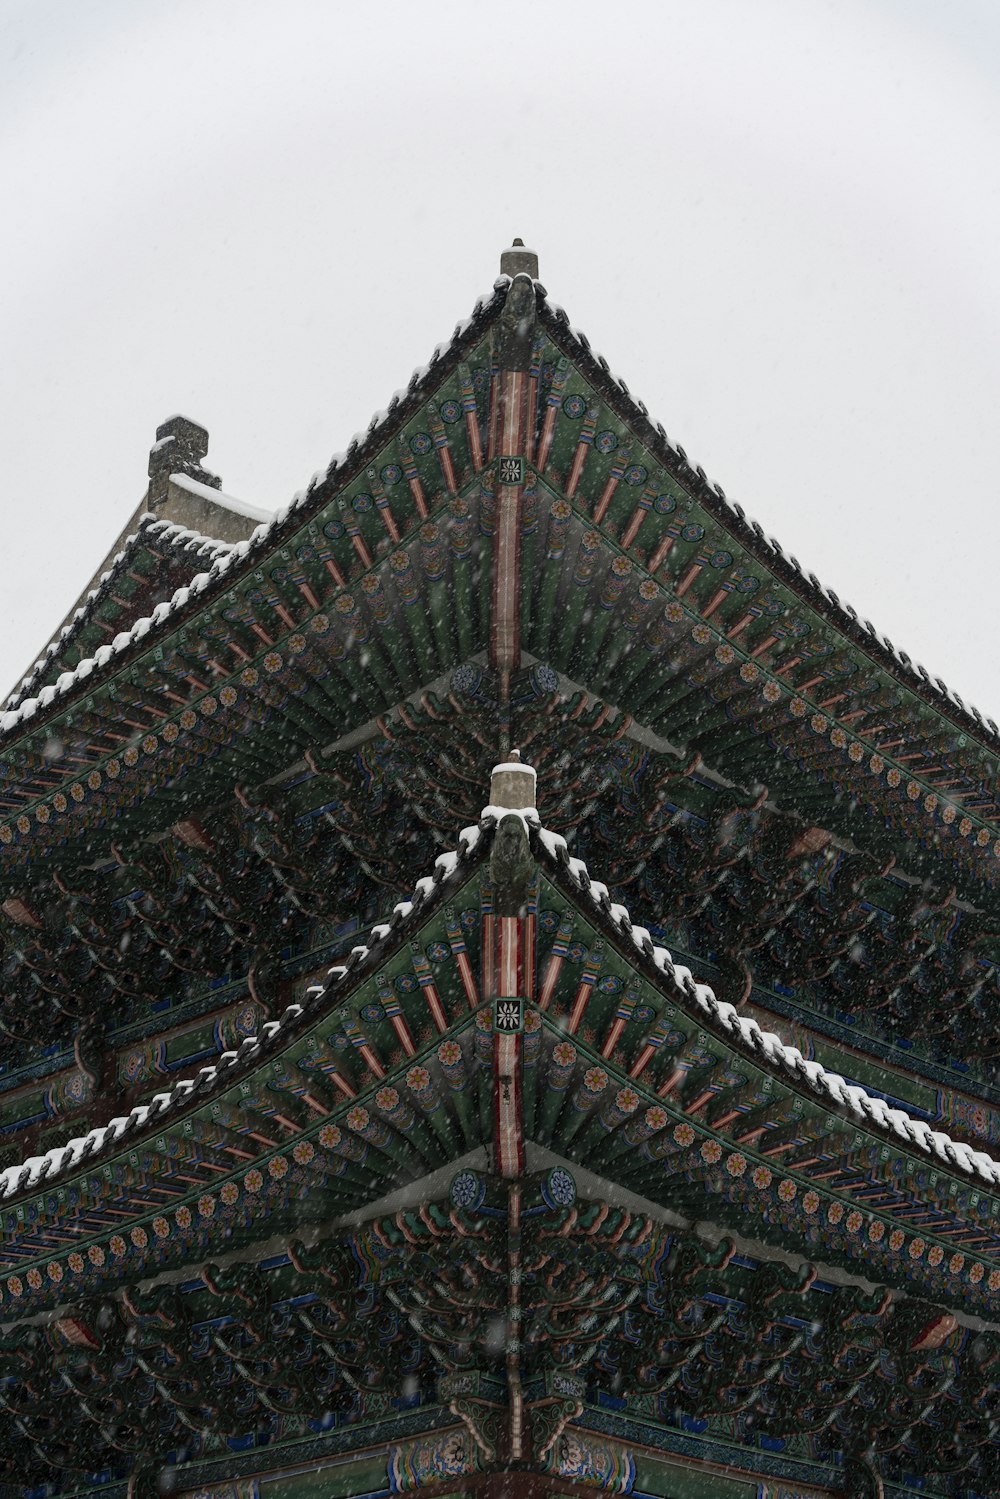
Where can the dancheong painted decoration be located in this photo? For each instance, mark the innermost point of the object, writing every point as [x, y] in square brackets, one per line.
[500, 987]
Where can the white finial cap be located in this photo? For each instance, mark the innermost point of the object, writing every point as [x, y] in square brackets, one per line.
[512, 784]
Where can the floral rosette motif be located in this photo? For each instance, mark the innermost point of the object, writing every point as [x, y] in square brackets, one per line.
[762, 1177]
[228, 1193]
[418, 1080]
[34, 1278]
[896, 1240]
[117, 1245]
[563, 1061]
[736, 1164]
[711, 1151]
[810, 1202]
[835, 1212]
[619, 1107]
[206, 1206]
[55, 1271]
[452, 1063]
[956, 1264]
[652, 1121]
[182, 1217]
[75, 1261]
[935, 1255]
[787, 1190]
[95, 1255]
[683, 1135]
[916, 1248]
[161, 1227]
[876, 1230]
[253, 1181]
[303, 1152]
[15, 1285]
[449, 1054]
[277, 1167]
[139, 1237]
[976, 1272]
[993, 1284]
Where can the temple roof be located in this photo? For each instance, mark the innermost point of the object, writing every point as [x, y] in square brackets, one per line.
[750, 533]
[673, 981]
[904, 750]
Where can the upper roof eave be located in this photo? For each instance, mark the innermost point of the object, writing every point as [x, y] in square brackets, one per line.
[241, 558]
[151, 532]
[751, 535]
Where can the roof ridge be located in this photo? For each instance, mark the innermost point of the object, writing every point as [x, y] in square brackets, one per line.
[847, 618]
[868, 1108]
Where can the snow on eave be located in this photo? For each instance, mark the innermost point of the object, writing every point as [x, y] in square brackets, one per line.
[224, 501]
[765, 1048]
[29, 1174]
[23, 708]
[180, 538]
[840, 613]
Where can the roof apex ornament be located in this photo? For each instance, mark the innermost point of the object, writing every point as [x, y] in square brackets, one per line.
[518, 261]
[512, 785]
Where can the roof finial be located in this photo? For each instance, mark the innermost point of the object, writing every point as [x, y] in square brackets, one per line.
[512, 785]
[517, 261]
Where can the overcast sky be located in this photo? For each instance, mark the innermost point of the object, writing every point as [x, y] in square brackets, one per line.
[778, 219]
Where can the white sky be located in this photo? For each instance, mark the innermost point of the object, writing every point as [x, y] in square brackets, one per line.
[778, 219]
